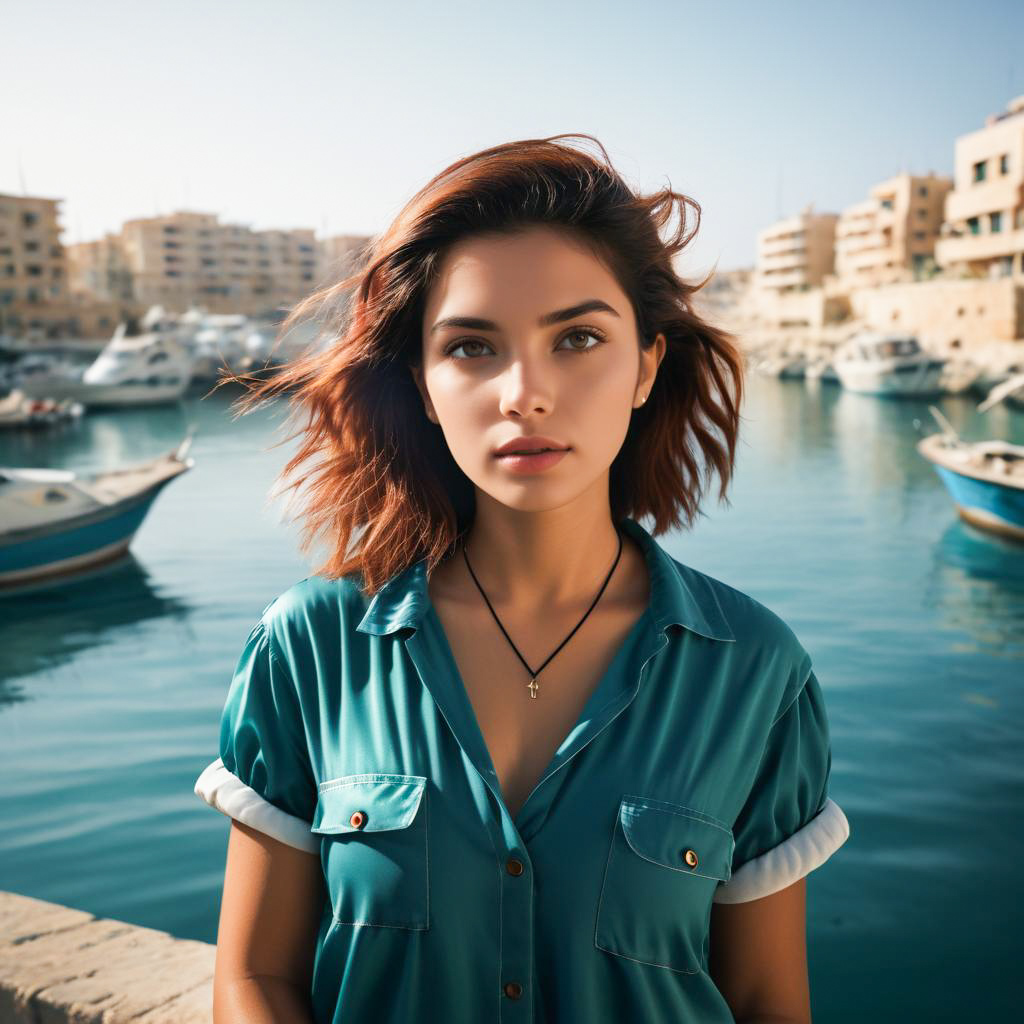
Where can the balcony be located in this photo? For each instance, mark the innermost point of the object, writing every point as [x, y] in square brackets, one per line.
[983, 198]
[978, 248]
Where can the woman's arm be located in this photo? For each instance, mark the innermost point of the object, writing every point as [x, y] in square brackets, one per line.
[269, 916]
[759, 957]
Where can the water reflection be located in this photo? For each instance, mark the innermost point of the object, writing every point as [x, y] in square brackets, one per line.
[976, 584]
[46, 625]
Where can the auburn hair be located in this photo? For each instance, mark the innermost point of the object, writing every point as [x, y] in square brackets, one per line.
[377, 470]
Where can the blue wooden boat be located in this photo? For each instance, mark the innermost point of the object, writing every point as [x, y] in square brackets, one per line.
[985, 479]
[55, 522]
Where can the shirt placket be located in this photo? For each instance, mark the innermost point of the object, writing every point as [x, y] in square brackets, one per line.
[432, 659]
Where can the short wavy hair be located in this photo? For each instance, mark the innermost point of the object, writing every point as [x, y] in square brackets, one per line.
[377, 470]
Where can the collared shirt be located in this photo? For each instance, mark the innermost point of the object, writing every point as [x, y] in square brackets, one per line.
[696, 773]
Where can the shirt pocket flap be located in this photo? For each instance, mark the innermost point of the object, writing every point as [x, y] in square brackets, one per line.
[677, 837]
[384, 802]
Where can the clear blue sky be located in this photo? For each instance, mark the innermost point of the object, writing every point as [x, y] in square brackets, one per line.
[331, 114]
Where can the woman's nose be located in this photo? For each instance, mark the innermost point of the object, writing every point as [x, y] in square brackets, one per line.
[523, 390]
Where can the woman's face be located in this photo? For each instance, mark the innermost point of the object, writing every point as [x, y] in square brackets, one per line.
[524, 335]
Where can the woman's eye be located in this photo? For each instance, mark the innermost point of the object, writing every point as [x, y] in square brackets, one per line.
[463, 344]
[468, 344]
[584, 334]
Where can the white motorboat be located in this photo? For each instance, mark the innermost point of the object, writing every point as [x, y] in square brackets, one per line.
[958, 376]
[894, 365]
[784, 366]
[218, 340]
[54, 522]
[821, 369]
[133, 369]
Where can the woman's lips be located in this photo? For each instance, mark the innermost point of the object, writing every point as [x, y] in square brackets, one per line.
[532, 463]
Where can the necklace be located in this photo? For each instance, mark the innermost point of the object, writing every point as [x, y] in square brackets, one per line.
[532, 684]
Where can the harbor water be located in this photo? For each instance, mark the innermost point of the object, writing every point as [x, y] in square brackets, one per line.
[111, 688]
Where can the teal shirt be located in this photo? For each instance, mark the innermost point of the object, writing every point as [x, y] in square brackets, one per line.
[697, 772]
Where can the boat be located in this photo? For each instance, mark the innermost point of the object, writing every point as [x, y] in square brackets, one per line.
[958, 376]
[991, 377]
[18, 410]
[55, 522]
[873, 363]
[985, 479]
[218, 343]
[132, 369]
[784, 366]
[821, 369]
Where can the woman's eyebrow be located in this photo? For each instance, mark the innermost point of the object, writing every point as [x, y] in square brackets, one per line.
[477, 324]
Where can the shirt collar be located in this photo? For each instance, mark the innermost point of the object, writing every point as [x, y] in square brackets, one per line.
[679, 595]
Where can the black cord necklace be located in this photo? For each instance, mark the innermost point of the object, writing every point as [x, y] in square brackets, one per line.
[532, 684]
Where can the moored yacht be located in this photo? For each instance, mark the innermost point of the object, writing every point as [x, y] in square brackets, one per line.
[133, 369]
[873, 363]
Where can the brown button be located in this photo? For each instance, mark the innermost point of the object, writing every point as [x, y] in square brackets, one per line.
[690, 856]
[514, 866]
[358, 819]
[513, 989]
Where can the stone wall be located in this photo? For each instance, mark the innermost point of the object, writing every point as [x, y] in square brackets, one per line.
[63, 966]
[971, 313]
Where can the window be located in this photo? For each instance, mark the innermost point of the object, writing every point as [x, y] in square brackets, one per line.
[979, 170]
[31, 247]
[920, 236]
[922, 190]
[974, 225]
[1004, 164]
[34, 271]
[922, 214]
[995, 221]
[29, 219]
[886, 204]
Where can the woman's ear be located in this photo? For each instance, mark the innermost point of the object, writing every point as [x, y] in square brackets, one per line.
[650, 360]
[417, 376]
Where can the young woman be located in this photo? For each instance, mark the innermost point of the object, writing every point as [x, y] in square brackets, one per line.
[503, 758]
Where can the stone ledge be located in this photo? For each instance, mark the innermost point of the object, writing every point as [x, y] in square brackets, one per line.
[63, 966]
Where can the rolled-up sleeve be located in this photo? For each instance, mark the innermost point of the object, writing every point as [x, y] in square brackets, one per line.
[789, 825]
[263, 777]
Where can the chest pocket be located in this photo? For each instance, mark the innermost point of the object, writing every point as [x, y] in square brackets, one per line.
[664, 862]
[374, 849]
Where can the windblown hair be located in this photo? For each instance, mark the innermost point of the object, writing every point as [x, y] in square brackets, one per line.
[371, 458]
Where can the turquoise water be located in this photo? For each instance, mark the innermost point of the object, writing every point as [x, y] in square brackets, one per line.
[111, 690]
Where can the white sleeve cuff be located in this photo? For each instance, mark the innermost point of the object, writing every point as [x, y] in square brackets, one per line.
[231, 796]
[788, 862]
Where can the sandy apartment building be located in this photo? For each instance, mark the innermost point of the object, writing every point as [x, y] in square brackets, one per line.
[890, 236]
[189, 258]
[984, 230]
[794, 256]
[796, 253]
[33, 264]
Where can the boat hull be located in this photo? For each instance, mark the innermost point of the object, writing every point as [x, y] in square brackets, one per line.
[58, 549]
[105, 396]
[988, 506]
[902, 382]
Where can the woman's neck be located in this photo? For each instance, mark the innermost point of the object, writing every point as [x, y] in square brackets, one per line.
[549, 560]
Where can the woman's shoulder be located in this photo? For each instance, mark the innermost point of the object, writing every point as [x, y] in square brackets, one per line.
[768, 659]
[315, 607]
[760, 634]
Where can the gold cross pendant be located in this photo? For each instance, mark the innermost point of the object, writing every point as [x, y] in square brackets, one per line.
[532, 684]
